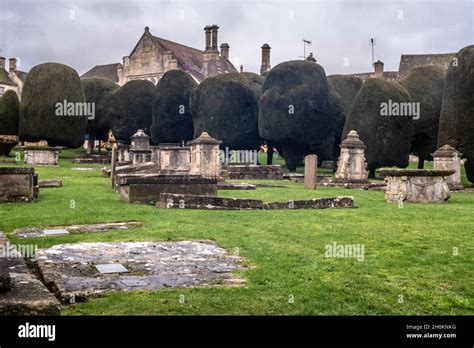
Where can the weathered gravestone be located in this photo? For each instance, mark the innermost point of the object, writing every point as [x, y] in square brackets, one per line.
[448, 158]
[310, 171]
[18, 184]
[416, 185]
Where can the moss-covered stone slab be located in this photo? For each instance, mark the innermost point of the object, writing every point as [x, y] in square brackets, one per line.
[22, 293]
[33, 232]
[70, 269]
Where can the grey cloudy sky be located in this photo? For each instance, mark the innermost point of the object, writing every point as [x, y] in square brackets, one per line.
[84, 33]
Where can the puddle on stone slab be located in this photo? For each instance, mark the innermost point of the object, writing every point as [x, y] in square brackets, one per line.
[111, 268]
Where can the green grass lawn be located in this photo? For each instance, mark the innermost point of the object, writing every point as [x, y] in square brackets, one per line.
[409, 266]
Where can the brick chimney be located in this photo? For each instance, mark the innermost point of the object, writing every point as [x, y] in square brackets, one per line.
[225, 50]
[214, 30]
[378, 68]
[207, 30]
[12, 64]
[265, 59]
[2, 62]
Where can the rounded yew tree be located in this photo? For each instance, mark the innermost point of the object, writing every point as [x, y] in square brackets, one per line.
[347, 87]
[226, 107]
[9, 113]
[425, 85]
[46, 86]
[387, 138]
[128, 109]
[94, 90]
[456, 126]
[172, 119]
[299, 111]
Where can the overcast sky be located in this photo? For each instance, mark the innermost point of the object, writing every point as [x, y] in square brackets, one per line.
[85, 33]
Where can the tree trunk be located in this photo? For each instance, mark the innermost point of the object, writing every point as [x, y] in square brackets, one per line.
[269, 154]
[421, 162]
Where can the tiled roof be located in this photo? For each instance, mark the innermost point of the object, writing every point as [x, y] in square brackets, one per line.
[5, 79]
[190, 59]
[108, 71]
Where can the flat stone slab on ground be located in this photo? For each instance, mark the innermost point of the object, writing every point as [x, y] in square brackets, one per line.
[85, 169]
[70, 269]
[235, 186]
[50, 183]
[33, 232]
[27, 295]
[53, 232]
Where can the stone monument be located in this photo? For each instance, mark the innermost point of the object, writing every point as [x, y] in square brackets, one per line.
[416, 185]
[205, 159]
[448, 158]
[310, 171]
[41, 155]
[352, 166]
[140, 148]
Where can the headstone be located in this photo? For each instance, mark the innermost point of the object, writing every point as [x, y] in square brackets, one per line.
[351, 166]
[448, 158]
[113, 163]
[50, 183]
[111, 268]
[327, 165]
[310, 171]
[174, 159]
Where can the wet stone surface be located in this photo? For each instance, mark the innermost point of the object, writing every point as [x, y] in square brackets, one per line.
[70, 270]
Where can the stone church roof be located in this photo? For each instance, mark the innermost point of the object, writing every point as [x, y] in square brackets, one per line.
[191, 59]
[5, 79]
[107, 71]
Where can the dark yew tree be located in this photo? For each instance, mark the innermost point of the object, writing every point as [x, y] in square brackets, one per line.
[425, 85]
[226, 107]
[172, 119]
[347, 88]
[9, 113]
[94, 90]
[299, 111]
[387, 138]
[456, 126]
[45, 86]
[128, 109]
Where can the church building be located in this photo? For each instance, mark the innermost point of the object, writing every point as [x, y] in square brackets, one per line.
[153, 56]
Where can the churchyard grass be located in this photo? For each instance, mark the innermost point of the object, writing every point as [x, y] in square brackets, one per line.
[418, 258]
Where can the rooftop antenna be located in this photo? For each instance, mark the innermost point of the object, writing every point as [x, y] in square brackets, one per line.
[305, 42]
[372, 44]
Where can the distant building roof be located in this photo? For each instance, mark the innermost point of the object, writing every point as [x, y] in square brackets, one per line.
[107, 71]
[21, 75]
[5, 79]
[410, 61]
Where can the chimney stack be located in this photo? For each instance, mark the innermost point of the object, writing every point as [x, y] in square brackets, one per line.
[214, 30]
[265, 59]
[225, 50]
[2, 62]
[207, 29]
[378, 68]
[241, 68]
[12, 64]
